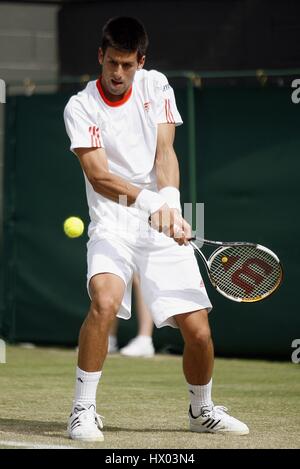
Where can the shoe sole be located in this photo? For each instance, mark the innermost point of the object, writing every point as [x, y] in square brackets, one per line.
[224, 432]
[87, 439]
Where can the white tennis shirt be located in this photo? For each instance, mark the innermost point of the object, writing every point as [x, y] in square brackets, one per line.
[127, 130]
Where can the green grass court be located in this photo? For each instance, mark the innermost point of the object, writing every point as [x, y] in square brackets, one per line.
[145, 401]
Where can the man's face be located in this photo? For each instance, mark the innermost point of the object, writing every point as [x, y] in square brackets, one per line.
[118, 70]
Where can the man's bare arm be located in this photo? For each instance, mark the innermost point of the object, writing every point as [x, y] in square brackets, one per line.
[166, 164]
[167, 174]
[95, 166]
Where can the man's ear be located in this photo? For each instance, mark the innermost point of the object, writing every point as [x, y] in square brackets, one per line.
[100, 56]
[141, 62]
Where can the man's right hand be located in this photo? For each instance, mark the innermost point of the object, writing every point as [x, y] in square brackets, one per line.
[170, 222]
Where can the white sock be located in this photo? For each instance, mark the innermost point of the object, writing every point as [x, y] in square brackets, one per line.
[86, 387]
[200, 396]
[144, 338]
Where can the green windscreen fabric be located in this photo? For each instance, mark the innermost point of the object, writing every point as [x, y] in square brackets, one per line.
[45, 270]
[247, 175]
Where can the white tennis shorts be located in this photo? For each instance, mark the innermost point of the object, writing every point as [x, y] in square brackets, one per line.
[170, 279]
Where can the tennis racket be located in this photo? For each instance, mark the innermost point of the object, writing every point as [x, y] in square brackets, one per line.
[241, 271]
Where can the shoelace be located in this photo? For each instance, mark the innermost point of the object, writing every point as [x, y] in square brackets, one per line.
[215, 409]
[98, 417]
[219, 409]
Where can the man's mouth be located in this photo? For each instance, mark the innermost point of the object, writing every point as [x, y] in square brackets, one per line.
[116, 82]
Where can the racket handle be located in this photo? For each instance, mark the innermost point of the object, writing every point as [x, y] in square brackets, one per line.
[222, 243]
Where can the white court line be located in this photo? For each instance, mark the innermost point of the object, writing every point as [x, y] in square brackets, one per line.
[34, 445]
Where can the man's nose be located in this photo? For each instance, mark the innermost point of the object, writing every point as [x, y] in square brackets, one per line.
[118, 71]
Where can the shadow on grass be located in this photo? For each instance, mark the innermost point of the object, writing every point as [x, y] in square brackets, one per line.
[36, 427]
[32, 427]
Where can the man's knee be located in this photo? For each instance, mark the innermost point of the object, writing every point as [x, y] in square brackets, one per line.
[199, 338]
[104, 307]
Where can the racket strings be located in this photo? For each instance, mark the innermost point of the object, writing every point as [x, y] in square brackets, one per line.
[245, 272]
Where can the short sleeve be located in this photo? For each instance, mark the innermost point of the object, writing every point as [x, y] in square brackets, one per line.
[166, 109]
[81, 128]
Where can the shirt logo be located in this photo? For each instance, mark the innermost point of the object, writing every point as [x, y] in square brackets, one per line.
[169, 115]
[95, 136]
[147, 106]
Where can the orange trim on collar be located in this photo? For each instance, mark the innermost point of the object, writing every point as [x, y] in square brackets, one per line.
[108, 101]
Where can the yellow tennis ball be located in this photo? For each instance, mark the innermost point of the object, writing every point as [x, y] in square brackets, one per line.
[224, 259]
[73, 227]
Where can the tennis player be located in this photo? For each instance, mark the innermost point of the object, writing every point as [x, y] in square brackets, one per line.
[122, 129]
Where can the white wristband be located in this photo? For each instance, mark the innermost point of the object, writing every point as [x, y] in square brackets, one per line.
[171, 195]
[149, 201]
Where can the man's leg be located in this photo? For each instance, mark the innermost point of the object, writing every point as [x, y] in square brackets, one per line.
[198, 360]
[198, 356]
[106, 292]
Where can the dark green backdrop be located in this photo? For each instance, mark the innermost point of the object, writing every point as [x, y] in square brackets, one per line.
[248, 145]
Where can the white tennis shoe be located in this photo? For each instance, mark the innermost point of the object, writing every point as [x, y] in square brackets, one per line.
[215, 419]
[138, 347]
[85, 424]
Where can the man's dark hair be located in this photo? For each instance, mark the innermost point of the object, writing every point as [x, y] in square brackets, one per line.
[125, 34]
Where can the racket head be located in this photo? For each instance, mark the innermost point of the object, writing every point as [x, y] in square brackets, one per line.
[245, 272]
